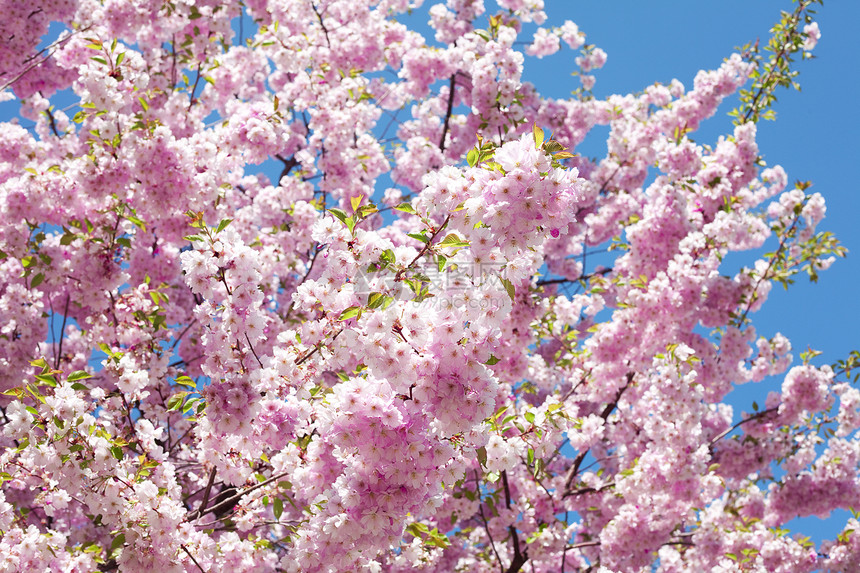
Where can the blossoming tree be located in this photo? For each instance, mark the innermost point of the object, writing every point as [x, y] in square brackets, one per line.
[393, 355]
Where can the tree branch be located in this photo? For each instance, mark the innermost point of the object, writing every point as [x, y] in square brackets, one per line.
[62, 335]
[520, 557]
[448, 112]
[574, 470]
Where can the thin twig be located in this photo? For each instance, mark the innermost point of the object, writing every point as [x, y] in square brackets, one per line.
[207, 491]
[520, 556]
[574, 470]
[192, 558]
[322, 25]
[254, 352]
[230, 501]
[181, 334]
[62, 335]
[194, 89]
[448, 112]
[423, 251]
[755, 416]
[486, 524]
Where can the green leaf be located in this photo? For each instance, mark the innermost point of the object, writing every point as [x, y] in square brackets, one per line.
[406, 208]
[116, 451]
[37, 280]
[452, 240]
[362, 212]
[138, 222]
[510, 288]
[538, 135]
[79, 375]
[419, 236]
[472, 157]
[175, 401]
[350, 313]
[120, 58]
[47, 379]
[278, 508]
[388, 257]
[343, 218]
[492, 360]
[552, 146]
[341, 215]
[376, 299]
[482, 456]
[223, 225]
[186, 381]
[116, 544]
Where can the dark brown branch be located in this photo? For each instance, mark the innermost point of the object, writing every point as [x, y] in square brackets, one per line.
[206, 492]
[302, 359]
[254, 352]
[755, 416]
[186, 362]
[424, 250]
[520, 556]
[62, 335]
[486, 524]
[577, 462]
[317, 250]
[762, 277]
[232, 500]
[49, 49]
[448, 112]
[289, 163]
[192, 558]
[322, 25]
[601, 272]
[777, 59]
[178, 440]
[184, 331]
[191, 99]
[52, 122]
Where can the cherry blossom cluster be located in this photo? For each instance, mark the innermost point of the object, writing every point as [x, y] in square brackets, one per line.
[293, 287]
